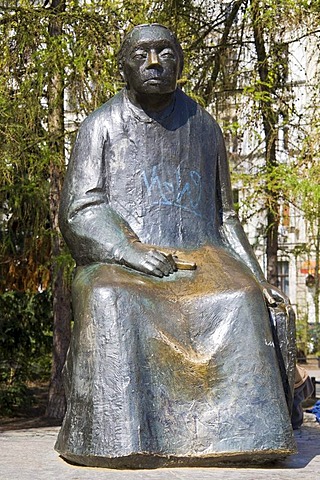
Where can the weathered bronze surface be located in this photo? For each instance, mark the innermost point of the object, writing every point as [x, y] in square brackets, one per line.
[174, 359]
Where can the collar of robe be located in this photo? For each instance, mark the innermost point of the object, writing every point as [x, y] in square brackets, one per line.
[143, 116]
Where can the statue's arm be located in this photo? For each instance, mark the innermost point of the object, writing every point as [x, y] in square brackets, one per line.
[232, 232]
[93, 230]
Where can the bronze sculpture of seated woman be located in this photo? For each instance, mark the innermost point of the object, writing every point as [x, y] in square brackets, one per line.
[173, 359]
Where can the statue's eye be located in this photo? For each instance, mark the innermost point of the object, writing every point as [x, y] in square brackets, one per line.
[167, 53]
[139, 55]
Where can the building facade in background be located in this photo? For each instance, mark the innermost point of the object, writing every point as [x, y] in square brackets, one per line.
[297, 148]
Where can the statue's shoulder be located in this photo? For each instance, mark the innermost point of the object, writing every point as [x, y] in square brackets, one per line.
[105, 112]
[197, 111]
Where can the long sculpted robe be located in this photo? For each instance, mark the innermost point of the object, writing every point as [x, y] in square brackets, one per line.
[177, 369]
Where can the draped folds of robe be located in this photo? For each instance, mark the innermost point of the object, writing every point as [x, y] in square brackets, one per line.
[179, 369]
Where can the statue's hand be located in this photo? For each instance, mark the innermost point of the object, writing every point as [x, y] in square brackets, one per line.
[273, 295]
[148, 260]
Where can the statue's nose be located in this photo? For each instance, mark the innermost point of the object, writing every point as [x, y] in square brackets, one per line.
[153, 59]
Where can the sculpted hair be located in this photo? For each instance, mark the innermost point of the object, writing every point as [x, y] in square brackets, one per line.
[128, 38]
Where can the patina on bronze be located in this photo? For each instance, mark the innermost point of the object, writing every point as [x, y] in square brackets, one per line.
[167, 365]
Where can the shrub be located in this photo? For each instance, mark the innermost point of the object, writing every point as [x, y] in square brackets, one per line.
[25, 345]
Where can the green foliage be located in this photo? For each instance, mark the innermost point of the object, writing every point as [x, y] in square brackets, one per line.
[25, 345]
[314, 338]
[14, 397]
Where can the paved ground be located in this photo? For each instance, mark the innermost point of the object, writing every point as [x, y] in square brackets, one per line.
[28, 454]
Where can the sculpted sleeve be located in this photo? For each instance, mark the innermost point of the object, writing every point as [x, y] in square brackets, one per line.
[231, 229]
[93, 231]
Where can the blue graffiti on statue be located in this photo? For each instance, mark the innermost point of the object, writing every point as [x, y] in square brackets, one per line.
[181, 193]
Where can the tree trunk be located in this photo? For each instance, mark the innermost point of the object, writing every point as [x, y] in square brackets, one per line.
[61, 338]
[272, 245]
[269, 120]
[61, 294]
[221, 50]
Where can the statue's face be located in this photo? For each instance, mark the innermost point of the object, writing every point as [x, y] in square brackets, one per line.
[152, 64]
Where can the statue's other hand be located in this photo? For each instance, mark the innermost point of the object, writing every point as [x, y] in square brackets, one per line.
[273, 295]
[148, 260]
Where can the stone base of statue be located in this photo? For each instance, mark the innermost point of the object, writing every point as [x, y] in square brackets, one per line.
[150, 461]
[179, 371]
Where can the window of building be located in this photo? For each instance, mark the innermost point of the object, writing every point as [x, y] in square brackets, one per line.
[283, 276]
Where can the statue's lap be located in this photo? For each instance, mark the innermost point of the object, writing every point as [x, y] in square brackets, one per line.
[217, 273]
[158, 355]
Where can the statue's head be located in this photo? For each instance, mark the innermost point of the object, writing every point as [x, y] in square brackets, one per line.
[151, 59]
